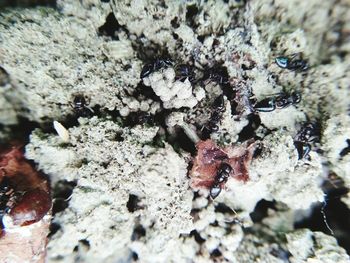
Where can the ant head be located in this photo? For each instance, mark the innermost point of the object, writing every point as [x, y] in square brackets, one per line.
[282, 62]
[296, 97]
[79, 99]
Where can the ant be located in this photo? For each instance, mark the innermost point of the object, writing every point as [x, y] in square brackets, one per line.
[140, 117]
[219, 107]
[80, 106]
[149, 68]
[282, 100]
[304, 137]
[218, 75]
[294, 62]
[184, 72]
[221, 178]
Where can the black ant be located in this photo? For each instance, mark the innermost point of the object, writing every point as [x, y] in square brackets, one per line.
[218, 108]
[158, 64]
[221, 177]
[294, 62]
[304, 137]
[282, 100]
[80, 106]
[218, 75]
[136, 118]
[184, 72]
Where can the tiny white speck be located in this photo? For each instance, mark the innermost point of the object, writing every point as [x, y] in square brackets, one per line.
[61, 131]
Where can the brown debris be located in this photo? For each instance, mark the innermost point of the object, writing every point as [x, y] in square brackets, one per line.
[25, 209]
[210, 156]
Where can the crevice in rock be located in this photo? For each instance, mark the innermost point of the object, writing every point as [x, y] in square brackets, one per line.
[248, 131]
[215, 253]
[334, 189]
[21, 131]
[260, 211]
[133, 203]
[27, 3]
[138, 233]
[62, 192]
[281, 253]
[197, 237]
[54, 228]
[111, 27]
[145, 92]
[134, 256]
[191, 13]
[182, 141]
[83, 245]
[223, 208]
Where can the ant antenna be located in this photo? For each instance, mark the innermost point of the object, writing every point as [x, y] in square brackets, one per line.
[234, 220]
[325, 217]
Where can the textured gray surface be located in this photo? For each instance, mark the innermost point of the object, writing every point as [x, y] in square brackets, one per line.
[52, 55]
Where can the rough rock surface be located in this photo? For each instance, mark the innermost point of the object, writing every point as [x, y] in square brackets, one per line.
[126, 192]
[131, 197]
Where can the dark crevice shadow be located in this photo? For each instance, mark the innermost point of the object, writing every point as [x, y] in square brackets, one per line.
[27, 3]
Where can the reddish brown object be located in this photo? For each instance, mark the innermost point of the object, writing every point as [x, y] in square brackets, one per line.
[20, 172]
[33, 207]
[210, 156]
[24, 201]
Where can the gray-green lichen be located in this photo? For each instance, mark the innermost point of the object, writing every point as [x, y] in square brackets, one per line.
[52, 55]
[110, 164]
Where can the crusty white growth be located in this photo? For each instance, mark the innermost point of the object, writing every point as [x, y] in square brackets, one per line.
[271, 240]
[63, 166]
[277, 175]
[94, 10]
[54, 54]
[218, 229]
[174, 93]
[229, 126]
[107, 170]
[49, 65]
[8, 115]
[262, 244]
[176, 120]
[335, 136]
[307, 246]
[287, 179]
[287, 117]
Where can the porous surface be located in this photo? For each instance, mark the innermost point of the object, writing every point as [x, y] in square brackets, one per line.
[107, 177]
[174, 93]
[129, 163]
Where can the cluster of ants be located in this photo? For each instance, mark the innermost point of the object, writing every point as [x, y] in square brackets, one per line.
[219, 75]
[302, 140]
